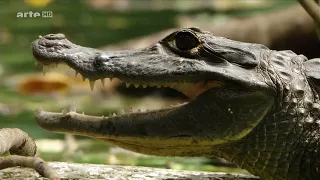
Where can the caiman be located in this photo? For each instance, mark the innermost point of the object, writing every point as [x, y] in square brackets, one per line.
[255, 107]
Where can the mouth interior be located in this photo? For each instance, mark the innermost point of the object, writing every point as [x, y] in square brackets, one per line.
[190, 89]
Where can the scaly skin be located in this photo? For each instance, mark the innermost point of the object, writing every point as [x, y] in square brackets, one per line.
[255, 107]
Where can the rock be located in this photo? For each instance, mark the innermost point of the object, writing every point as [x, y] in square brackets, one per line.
[94, 171]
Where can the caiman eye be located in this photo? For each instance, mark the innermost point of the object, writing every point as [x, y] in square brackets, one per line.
[186, 41]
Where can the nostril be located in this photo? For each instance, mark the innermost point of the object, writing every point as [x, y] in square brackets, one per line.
[55, 36]
[101, 59]
[105, 57]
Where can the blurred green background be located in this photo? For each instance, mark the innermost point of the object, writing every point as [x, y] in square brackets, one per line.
[94, 24]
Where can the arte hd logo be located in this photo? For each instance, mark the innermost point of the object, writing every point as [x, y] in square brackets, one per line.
[31, 14]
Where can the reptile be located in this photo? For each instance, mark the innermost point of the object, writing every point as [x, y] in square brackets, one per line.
[255, 107]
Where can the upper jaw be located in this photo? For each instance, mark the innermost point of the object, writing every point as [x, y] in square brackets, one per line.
[152, 65]
[130, 65]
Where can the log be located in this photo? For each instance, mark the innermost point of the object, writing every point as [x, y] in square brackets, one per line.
[114, 172]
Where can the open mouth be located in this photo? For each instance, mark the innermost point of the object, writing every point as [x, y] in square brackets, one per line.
[153, 67]
[190, 89]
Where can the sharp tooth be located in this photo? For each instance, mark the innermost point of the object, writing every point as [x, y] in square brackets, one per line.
[102, 116]
[83, 78]
[111, 79]
[73, 107]
[54, 65]
[144, 85]
[82, 113]
[76, 73]
[129, 110]
[45, 69]
[102, 81]
[121, 112]
[136, 85]
[92, 85]
[64, 112]
[127, 85]
[114, 114]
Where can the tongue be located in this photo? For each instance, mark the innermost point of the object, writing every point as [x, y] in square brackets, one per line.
[193, 90]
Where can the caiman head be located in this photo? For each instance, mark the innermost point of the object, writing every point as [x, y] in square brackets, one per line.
[233, 87]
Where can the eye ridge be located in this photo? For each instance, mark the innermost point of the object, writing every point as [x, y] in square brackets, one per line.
[186, 40]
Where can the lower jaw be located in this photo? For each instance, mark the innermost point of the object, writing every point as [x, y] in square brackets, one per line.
[165, 150]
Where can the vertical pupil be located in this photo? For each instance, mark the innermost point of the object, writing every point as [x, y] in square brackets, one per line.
[186, 41]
